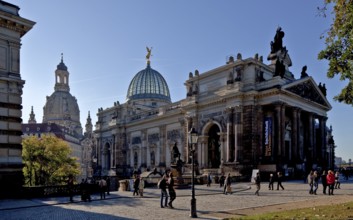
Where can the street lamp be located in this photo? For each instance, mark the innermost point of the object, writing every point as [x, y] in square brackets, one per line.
[193, 137]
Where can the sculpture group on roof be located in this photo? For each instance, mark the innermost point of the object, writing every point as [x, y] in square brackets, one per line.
[279, 54]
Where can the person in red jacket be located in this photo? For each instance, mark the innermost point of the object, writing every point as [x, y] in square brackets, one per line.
[330, 179]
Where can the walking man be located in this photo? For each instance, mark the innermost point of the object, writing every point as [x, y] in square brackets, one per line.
[136, 186]
[257, 183]
[70, 186]
[102, 187]
[279, 180]
[323, 181]
[271, 181]
[164, 195]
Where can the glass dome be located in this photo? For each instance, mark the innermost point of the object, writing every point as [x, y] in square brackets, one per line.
[148, 84]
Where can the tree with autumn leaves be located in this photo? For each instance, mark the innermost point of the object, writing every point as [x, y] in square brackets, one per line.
[339, 45]
[47, 161]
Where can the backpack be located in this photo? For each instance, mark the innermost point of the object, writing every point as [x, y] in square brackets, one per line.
[161, 183]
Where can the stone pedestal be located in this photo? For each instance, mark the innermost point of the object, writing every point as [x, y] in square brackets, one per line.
[179, 180]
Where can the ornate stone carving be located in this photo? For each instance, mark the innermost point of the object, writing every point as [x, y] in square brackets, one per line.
[173, 135]
[307, 91]
[153, 138]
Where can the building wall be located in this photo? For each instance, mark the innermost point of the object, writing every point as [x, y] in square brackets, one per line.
[229, 107]
[12, 28]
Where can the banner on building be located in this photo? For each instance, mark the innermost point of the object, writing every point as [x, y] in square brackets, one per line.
[267, 137]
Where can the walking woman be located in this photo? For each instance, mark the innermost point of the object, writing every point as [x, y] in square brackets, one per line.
[171, 191]
[330, 178]
[227, 185]
[311, 182]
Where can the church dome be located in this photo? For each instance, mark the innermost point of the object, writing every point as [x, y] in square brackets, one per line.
[61, 107]
[148, 84]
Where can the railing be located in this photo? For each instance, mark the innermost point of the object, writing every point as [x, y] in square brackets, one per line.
[54, 191]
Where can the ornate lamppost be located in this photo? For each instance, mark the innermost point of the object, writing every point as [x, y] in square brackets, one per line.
[193, 137]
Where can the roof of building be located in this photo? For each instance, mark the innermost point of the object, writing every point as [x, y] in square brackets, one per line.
[148, 84]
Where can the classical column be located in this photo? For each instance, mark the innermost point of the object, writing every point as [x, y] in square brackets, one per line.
[238, 128]
[295, 134]
[200, 152]
[311, 135]
[283, 130]
[280, 125]
[162, 144]
[322, 121]
[222, 138]
[260, 121]
[189, 124]
[230, 139]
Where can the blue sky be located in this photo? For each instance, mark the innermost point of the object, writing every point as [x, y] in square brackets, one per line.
[104, 46]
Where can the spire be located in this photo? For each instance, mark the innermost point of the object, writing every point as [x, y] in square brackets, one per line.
[32, 118]
[89, 124]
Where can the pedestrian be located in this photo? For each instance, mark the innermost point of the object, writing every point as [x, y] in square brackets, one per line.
[257, 183]
[70, 187]
[227, 185]
[324, 182]
[141, 186]
[171, 190]
[162, 184]
[221, 180]
[209, 179]
[102, 187]
[108, 185]
[311, 182]
[136, 185]
[316, 179]
[337, 180]
[279, 180]
[271, 181]
[330, 178]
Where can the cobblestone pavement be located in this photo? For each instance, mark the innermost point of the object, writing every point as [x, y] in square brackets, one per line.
[211, 203]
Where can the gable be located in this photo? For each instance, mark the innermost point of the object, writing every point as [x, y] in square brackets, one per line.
[307, 89]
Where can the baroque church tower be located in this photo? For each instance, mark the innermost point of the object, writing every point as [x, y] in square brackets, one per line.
[32, 117]
[61, 107]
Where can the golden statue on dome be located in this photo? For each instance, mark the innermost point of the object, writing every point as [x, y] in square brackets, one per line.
[149, 51]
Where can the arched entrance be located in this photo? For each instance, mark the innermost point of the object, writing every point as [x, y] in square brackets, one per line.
[214, 150]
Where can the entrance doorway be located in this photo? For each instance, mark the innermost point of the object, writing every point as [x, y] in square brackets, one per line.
[214, 150]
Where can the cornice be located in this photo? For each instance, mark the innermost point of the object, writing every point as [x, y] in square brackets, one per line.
[15, 23]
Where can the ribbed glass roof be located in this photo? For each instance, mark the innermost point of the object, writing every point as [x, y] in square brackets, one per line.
[148, 84]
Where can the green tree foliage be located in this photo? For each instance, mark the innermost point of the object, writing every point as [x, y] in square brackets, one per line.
[339, 46]
[47, 161]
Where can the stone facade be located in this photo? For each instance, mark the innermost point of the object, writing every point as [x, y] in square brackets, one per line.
[12, 28]
[248, 115]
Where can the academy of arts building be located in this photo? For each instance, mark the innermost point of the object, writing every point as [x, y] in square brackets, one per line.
[248, 115]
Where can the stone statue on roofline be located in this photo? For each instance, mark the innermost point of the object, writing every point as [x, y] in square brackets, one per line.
[303, 74]
[278, 51]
